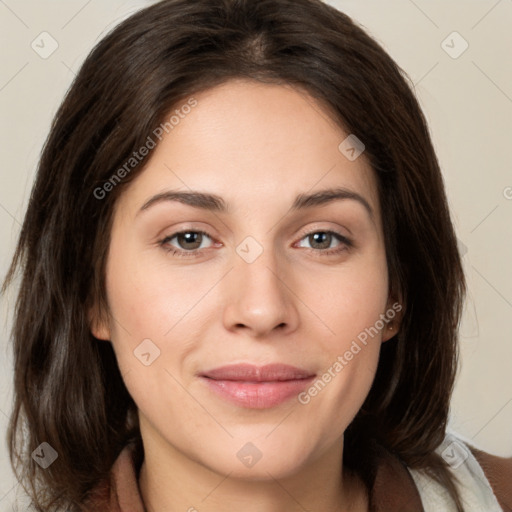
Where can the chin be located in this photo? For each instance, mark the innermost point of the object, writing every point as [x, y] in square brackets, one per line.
[262, 471]
[258, 460]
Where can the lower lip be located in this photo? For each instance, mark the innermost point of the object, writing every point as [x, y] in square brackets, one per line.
[257, 395]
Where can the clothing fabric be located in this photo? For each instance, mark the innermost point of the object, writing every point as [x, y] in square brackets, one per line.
[475, 490]
[484, 482]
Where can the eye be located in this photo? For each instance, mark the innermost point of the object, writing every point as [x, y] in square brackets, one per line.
[190, 242]
[321, 240]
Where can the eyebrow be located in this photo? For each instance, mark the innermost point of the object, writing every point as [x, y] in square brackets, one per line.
[215, 203]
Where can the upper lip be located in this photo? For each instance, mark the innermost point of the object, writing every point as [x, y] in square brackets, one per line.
[254, 373]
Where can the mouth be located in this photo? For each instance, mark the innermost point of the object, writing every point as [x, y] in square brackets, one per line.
[257, 387]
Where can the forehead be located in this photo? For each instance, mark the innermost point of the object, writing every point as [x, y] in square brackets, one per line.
[255, 145]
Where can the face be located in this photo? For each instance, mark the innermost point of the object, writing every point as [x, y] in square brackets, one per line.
[256, 277]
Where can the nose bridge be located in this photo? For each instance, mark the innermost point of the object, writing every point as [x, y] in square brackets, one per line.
[257, 268]
[259, 297]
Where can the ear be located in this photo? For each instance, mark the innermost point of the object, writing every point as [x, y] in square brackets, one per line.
[98, 324]
[393, 314]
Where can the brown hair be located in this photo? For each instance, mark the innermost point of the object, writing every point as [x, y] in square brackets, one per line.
[68, 388]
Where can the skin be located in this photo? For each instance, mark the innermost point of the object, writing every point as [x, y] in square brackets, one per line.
[257, 146]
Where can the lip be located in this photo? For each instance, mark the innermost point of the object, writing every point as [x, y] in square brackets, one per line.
[257, 387]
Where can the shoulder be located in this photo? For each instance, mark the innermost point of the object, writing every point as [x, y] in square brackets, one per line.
[483, 480]
[498, 472]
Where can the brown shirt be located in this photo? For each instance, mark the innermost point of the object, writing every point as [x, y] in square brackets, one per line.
[394, 489]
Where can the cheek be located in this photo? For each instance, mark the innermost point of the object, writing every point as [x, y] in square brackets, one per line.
[350, 300]
[158, 309]
[350, 355]
[146, 296]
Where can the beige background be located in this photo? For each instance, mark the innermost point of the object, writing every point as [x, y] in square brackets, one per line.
[467, 100]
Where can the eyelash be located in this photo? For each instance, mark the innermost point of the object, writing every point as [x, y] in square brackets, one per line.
[199, 252]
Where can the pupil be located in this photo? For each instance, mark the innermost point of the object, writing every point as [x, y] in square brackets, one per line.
[188, 238]
[321, 235]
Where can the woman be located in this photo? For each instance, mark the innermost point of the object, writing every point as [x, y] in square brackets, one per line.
[252, 367]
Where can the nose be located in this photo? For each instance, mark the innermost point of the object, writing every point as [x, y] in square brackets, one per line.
[260, 297]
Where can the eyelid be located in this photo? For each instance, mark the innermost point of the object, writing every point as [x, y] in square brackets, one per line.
[165, 239]
[317, 228]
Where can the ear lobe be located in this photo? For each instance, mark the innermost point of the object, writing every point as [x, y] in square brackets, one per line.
[394, 312]
[97, 325]
[389, 331]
